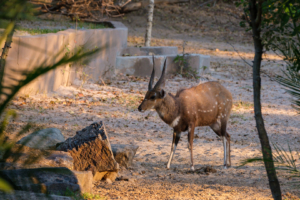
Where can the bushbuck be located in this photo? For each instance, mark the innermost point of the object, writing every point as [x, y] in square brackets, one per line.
[207, 104]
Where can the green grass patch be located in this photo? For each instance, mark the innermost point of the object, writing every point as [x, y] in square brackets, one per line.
[52, 27]
[33, 31]
[243, 104]
[92, 196]
[85, 25]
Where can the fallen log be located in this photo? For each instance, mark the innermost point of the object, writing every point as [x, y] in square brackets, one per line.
[170, 1]
[134, 6]
[94, 8]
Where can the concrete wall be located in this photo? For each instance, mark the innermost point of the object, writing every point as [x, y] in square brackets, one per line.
[27, 52]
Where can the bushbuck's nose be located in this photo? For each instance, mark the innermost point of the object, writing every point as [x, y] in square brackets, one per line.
[140, 108]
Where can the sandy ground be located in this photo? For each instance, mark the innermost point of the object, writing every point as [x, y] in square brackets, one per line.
[74, 107]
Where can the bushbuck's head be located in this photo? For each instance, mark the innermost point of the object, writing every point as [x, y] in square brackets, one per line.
[155, 94]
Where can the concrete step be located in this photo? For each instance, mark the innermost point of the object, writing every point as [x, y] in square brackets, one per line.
[143, 65]
[148, 51]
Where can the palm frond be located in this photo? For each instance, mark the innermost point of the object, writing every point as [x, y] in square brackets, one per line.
[283, 160]
[5, 186]
[291, 82]
[11, 10]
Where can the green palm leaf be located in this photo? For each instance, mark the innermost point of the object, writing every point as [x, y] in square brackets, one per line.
[291, 82]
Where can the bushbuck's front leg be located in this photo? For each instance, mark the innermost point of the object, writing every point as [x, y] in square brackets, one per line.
[191, 139]
[176, 137]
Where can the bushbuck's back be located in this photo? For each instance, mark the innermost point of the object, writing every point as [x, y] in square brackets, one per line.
[205, 103]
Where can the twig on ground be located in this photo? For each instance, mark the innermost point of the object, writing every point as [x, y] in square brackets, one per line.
[203, 4]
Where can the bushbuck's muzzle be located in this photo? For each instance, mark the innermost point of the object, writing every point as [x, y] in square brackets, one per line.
[140, 108]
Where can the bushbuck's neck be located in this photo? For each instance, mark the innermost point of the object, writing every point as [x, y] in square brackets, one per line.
[168, 110]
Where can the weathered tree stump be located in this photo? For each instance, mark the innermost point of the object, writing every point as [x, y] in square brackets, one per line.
[91, 150]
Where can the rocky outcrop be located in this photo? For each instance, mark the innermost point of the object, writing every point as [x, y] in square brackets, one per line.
[49, 180]
[23, 195]
[94, 156]
[91, 150]
[23, 157]
[45, 139]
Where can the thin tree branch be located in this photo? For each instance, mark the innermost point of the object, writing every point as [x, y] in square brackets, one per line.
[238, 53]
[203, 4]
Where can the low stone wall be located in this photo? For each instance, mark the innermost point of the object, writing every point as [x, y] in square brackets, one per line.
[27, 52]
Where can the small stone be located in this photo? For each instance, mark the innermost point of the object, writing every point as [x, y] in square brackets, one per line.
[132, 180]
[209, 169]
[111, 176]
[108, 181]
[134, 173]
[143, 172]
[85, 180]
[124, 154]
[98, 176]
[123, 178]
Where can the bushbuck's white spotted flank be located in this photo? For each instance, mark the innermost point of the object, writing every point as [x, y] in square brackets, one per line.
[207, 104]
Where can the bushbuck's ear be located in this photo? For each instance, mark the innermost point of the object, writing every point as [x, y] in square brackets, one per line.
[162, 93]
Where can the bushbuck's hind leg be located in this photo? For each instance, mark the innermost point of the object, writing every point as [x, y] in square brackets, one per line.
[176, 137]
[226, 144]
[191, 139]
[228, 152]
[220, 130]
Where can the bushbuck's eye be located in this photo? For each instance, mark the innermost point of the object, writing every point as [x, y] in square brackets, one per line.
[152, 97]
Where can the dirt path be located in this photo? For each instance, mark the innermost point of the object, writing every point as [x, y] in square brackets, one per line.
[72, 108]
[206, 30]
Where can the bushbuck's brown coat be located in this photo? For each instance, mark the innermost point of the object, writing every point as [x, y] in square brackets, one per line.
[207, 104]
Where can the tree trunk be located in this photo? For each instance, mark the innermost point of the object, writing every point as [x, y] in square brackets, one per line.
[255, 8]
[149, 23]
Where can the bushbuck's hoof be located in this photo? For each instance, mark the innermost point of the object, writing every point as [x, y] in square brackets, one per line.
[226, 166]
